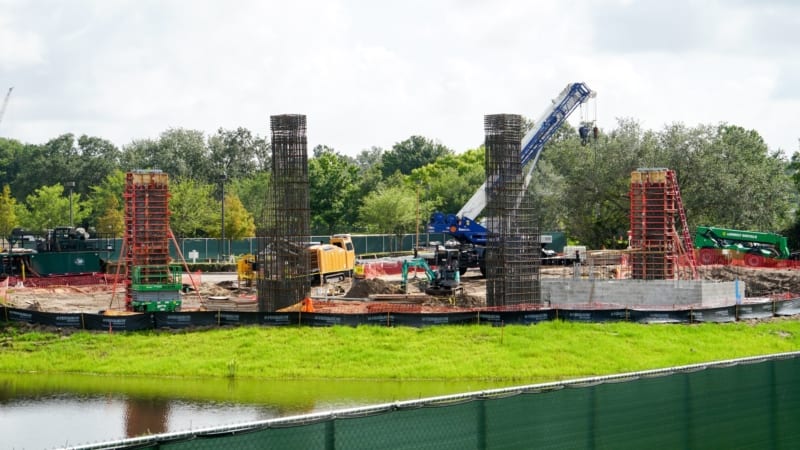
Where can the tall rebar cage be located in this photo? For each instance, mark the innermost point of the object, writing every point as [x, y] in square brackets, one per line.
[285, 233]
[146, 216]
[513, 256]
[654, 239]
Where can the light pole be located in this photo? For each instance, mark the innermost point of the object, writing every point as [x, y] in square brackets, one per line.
[416, 240]
[222, 180]
[70, 185]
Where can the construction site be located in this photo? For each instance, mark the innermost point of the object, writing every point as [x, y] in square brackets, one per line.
[490, 265]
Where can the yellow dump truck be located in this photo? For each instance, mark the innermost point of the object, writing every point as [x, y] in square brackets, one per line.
[334, 260]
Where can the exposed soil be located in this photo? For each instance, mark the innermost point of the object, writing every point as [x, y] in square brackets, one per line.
[758, 282]
[93, 299]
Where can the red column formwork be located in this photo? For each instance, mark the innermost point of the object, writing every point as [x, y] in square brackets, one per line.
[652, 219]
[146, 239]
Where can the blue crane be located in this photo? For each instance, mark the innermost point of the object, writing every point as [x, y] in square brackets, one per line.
[462, 226]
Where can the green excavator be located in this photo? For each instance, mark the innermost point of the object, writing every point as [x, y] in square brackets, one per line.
[443, 281]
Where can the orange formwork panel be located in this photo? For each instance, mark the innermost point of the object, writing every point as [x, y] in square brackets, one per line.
[656, 244]
[146, 218]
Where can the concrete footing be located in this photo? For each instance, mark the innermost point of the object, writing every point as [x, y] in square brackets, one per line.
[638, 293]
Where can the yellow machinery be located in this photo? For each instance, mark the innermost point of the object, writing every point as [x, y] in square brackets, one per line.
[326, 262]
[246, 269]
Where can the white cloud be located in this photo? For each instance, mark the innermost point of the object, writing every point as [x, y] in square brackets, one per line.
[374, 73]
[19, 48]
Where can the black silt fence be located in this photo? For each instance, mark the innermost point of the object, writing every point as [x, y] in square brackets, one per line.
[210, 319]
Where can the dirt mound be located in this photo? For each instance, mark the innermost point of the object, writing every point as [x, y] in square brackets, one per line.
[363, 288]
[758, 282]
[459, 301]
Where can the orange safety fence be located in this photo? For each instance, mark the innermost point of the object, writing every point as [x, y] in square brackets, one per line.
[379, 268]
[191, 278]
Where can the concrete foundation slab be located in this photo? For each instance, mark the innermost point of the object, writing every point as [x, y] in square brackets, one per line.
[643, 293]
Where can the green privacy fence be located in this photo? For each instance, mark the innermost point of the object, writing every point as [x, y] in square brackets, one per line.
[208, 249]
[744, 403]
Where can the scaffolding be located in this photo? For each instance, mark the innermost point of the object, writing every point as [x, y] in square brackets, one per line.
[657, 249]
[513, 256]
[284, 234]
[150, 281]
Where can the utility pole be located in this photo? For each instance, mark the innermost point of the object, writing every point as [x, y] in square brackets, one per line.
[416, 241]
[222, 180]
[70, 185]
[5, 103]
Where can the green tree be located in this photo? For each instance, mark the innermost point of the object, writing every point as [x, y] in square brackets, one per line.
[8, 214]
[193, 213]
[54, 162]
[411, 154]
[253, 192]
[390, 210]
[333, 180]
[140, 154]
[111, 221]
[11, 152]
[179, 152]
[753, 182]
[239, 222]
[234, 153]
[112, 186]
[449, 181]
[97, 158]
[48, 208]
[591, 184]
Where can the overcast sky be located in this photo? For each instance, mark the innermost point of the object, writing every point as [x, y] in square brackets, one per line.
[373, 73]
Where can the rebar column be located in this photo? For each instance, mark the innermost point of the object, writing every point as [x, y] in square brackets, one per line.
[282, 246]
[513, 254]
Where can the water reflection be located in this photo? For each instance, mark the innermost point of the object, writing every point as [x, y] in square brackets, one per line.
[145, 416]
[81, 409]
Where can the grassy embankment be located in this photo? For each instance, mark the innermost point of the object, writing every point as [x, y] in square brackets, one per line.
[548, 351]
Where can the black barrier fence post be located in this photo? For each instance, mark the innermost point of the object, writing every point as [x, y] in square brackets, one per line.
[481, 438]
[330, 434]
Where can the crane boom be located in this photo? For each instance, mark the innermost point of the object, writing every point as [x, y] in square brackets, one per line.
[5, 103]
[472, 235]
[533, 142]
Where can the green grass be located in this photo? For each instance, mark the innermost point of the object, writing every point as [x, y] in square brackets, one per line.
[547, 351]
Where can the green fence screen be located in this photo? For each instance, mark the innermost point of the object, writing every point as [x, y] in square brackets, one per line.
[747, 403]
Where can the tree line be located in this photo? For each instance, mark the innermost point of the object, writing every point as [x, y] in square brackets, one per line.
[727, 176]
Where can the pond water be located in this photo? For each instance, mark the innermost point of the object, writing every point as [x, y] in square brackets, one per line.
[50, 411]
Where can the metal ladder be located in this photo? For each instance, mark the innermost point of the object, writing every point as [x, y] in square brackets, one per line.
[687, 238]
